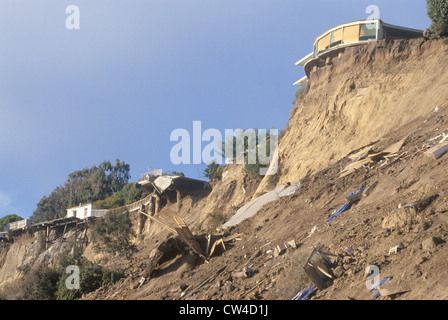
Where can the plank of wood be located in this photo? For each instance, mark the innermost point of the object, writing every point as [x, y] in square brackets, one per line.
[232, 237]
[220, 241]
[158, 221]
[394, 148]
[410, 155]
[209, 238]
[360, 154]
[353, 166]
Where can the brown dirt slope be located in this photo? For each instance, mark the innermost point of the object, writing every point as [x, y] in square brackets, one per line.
[378, 94]
[357, 98]
[372, 96]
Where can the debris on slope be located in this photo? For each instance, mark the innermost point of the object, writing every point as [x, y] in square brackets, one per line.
[390, 241]
[396, 223]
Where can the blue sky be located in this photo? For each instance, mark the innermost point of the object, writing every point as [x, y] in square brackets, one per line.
[138, 69]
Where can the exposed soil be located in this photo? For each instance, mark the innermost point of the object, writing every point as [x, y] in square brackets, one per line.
[370, 96]
[405, 208]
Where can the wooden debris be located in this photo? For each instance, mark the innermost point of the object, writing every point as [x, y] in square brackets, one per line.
[215, 244]
[359, 162]
[253, 288]
[394, 148]
[410, 155]
[158, 221]
[353, 166]
[237, 236]
[327, 203]
[209, 238]
[360, 154]
[185, 234]
[317, 267]
[444, 138]
[292, 244]
[281, 248]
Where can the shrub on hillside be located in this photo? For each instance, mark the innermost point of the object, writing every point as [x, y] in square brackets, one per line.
[92, 276]
[40, 284]
[438, 13]
[300, 92]
[112, 234]
[45, 283]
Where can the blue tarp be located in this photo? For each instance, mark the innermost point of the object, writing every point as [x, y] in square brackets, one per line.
[377, 285]
[305, 293]
[345, 206]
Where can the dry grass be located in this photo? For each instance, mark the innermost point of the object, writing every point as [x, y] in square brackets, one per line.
[24, 238]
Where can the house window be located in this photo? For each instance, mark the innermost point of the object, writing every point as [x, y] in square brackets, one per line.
[367, 31]
[74, 213]
[336, 37]
[324, 43]
[351, 34]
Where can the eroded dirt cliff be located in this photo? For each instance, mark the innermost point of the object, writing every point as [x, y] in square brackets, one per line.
[372, 96]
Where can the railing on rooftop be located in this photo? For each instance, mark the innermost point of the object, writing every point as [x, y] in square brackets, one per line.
[151, 172]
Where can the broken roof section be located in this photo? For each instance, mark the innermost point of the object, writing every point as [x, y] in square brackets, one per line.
[162, 183]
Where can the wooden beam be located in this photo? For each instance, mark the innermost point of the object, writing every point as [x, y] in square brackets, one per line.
[139, 224]
[178, 197]
[217, 242]
[209, 238]
[157, 220]
[157, 205]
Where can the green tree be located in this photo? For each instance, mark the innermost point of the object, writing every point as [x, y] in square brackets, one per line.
[211, 169]
[438, 13]
[117, 175]
[83, 186]
[127, 195]
[250, 144]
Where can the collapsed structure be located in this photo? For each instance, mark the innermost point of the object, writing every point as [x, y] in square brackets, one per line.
[162, 189]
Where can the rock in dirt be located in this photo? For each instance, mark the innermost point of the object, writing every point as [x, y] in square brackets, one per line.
[430, 243]
[245, 273]
[400, 218]
[338, 272]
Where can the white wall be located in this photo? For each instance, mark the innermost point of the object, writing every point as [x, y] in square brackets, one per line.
[81, 211]
[85, 211]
